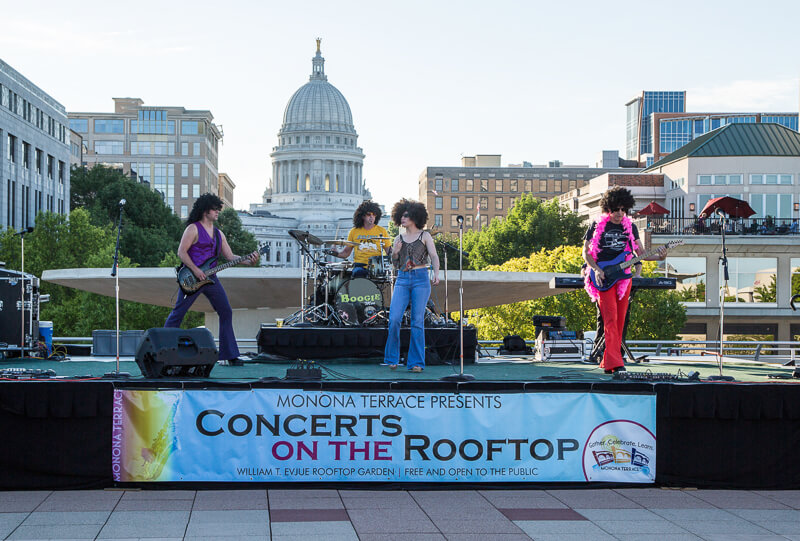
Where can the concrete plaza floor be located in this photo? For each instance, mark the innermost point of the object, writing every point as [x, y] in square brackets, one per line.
[418, 515]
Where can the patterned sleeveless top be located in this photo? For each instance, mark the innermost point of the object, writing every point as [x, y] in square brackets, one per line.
[412, 254]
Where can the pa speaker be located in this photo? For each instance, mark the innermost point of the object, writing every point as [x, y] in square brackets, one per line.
[170, 352]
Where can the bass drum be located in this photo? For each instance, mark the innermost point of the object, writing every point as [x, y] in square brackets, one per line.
[358, 300]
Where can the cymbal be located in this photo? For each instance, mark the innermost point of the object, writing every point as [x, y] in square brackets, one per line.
[341, 242]
[380, 238]
[304, 237]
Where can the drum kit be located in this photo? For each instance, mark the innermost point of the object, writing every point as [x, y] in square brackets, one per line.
[331, 296]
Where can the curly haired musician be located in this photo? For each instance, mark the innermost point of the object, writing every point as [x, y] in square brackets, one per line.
[605, 240]
[201, 240]
[365, 231]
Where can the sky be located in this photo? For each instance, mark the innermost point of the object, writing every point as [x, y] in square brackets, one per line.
[427, 82]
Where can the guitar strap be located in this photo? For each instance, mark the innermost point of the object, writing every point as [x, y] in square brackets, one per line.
[217, 243]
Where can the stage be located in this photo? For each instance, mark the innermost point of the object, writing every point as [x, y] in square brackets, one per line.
[60, 432]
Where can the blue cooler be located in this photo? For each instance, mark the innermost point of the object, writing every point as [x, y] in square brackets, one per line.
[46, 333]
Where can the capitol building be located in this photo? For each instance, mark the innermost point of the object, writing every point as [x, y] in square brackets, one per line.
[317, 166]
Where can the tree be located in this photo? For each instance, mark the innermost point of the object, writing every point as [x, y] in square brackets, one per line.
[241, 242]
[654, 313]
[530, 225]
[150, 227]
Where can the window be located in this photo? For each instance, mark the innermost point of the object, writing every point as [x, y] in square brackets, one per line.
[498, 203]
[185, 149]
[719, 179]
[573, 184]
[438, 203]
[184, 211]
[453, 221]
[691, 289]
[109, 147]
[109, 125]
[557, 186]
[437, 220]
[732, 179]
[528, 186]
[51, 166]
[784, 179]
[191, 127]
[26, 159]
[498, 185]
[454, 203]
[484, 220]
[454, 185]
[756, 179]
[195, 190]
[484, 185]
[438, 184]
[39, 161]
[12, 148]
[704, 180]
[195, 149]
[752, 279]
[469, 203]
[542, 185]
[468, 220]
[184, 191]
[470, 184]
[61, 169]
[196, 170]
[484, 202]
[513, 185]
[184, 170]
[80, 125]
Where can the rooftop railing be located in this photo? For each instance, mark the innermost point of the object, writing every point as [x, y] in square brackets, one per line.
[733, 226]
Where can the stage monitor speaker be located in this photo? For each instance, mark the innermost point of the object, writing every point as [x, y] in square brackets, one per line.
[169, 352]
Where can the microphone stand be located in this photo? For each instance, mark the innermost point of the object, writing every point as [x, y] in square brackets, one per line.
[115, 274]
[461, 376]
[726, 276]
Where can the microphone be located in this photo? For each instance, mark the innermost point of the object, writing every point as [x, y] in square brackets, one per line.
[21, 232]
[121, 202]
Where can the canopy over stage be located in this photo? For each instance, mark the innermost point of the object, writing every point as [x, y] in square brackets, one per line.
[280, 288]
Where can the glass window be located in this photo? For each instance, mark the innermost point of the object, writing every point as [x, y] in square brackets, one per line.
[785, 179]
[184, 170]
[80, 125]
[757, 204]
[109, 125]
[468, 220]
[11, 149]
[191, 127]
[453, 220]
[528, 186]
[734, 179]
[454, 185]
[752, 279]
[704, 179]
[185, 149]
[771, 179]
[438, 184]
[469, 203]
[195, 149]
[484, 203]
[498, 203]
[438, 203]
[470, 185]
[542, 185]
[795, 264]
[184, 190]
[437, 220]
[196, 170]
[498, 185]
[756, 179]
[184, 211]
[484, 185]
[690, 273]
[454, 203]
[195, 190]
[109, 147]
[513, 185]
[557, 186]
[719, 179]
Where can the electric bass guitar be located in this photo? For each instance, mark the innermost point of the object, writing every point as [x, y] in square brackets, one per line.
[617, 269]
[189, 283]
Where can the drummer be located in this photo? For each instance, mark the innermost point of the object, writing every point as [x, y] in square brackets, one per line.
[369, 236]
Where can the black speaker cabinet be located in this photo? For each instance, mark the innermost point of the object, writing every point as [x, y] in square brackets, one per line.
[169, 352]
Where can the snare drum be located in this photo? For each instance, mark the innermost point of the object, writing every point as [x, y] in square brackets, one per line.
[380, 267]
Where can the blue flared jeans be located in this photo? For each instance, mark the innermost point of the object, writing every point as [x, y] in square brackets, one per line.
[414, 287]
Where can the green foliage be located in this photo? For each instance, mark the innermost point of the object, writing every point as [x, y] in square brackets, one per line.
[767, 292]
[241, 242]
[150, 228]
[694, 293]
[392, 228]
[654, 313]
[530, 225]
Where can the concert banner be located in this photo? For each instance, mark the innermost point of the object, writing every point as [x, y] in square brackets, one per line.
[262, 435]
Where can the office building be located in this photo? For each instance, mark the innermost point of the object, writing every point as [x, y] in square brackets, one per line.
[638, 124]
[481, 189]
[225, 190]
[173, 149]
[34, 151]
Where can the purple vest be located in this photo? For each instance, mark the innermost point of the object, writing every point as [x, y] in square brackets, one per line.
[204, 248]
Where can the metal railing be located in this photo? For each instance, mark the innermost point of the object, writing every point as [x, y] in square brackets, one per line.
[734, 226]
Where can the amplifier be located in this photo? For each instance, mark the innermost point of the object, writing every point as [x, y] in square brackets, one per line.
[559, 350]
[549, 321]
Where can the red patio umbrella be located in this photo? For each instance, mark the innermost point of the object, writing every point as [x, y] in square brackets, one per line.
[735, 208]
[651, 209]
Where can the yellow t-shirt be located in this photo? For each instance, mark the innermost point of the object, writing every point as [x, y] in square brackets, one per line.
[368, 248]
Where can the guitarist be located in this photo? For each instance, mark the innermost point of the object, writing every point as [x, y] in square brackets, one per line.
[606, 239]
[202, 240]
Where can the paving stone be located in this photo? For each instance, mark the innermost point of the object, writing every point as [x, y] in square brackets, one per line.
[735, 526]
[593, 499]
[618, 514]
[661, 526]
[311, 528]
[77, 500]
[407, 537]
[9, 521]
[486, 527]
[237, 515]
[59, 531]
[391, 520]
[54, 518]
[300, 493]
[229, 529]
[536, 528]
[482, 537]
[309, 515]
[736, 499]
[21, 502]
[153, 505]
[306, 503]
[158, 495]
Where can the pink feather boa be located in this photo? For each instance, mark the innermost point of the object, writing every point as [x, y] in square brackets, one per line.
[594, 251]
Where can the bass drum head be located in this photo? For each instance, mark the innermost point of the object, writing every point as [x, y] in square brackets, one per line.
[357, 300]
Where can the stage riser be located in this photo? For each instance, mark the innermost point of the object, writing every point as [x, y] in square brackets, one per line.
[441, 344]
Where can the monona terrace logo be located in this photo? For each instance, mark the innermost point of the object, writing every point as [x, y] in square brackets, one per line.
[620, 451]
